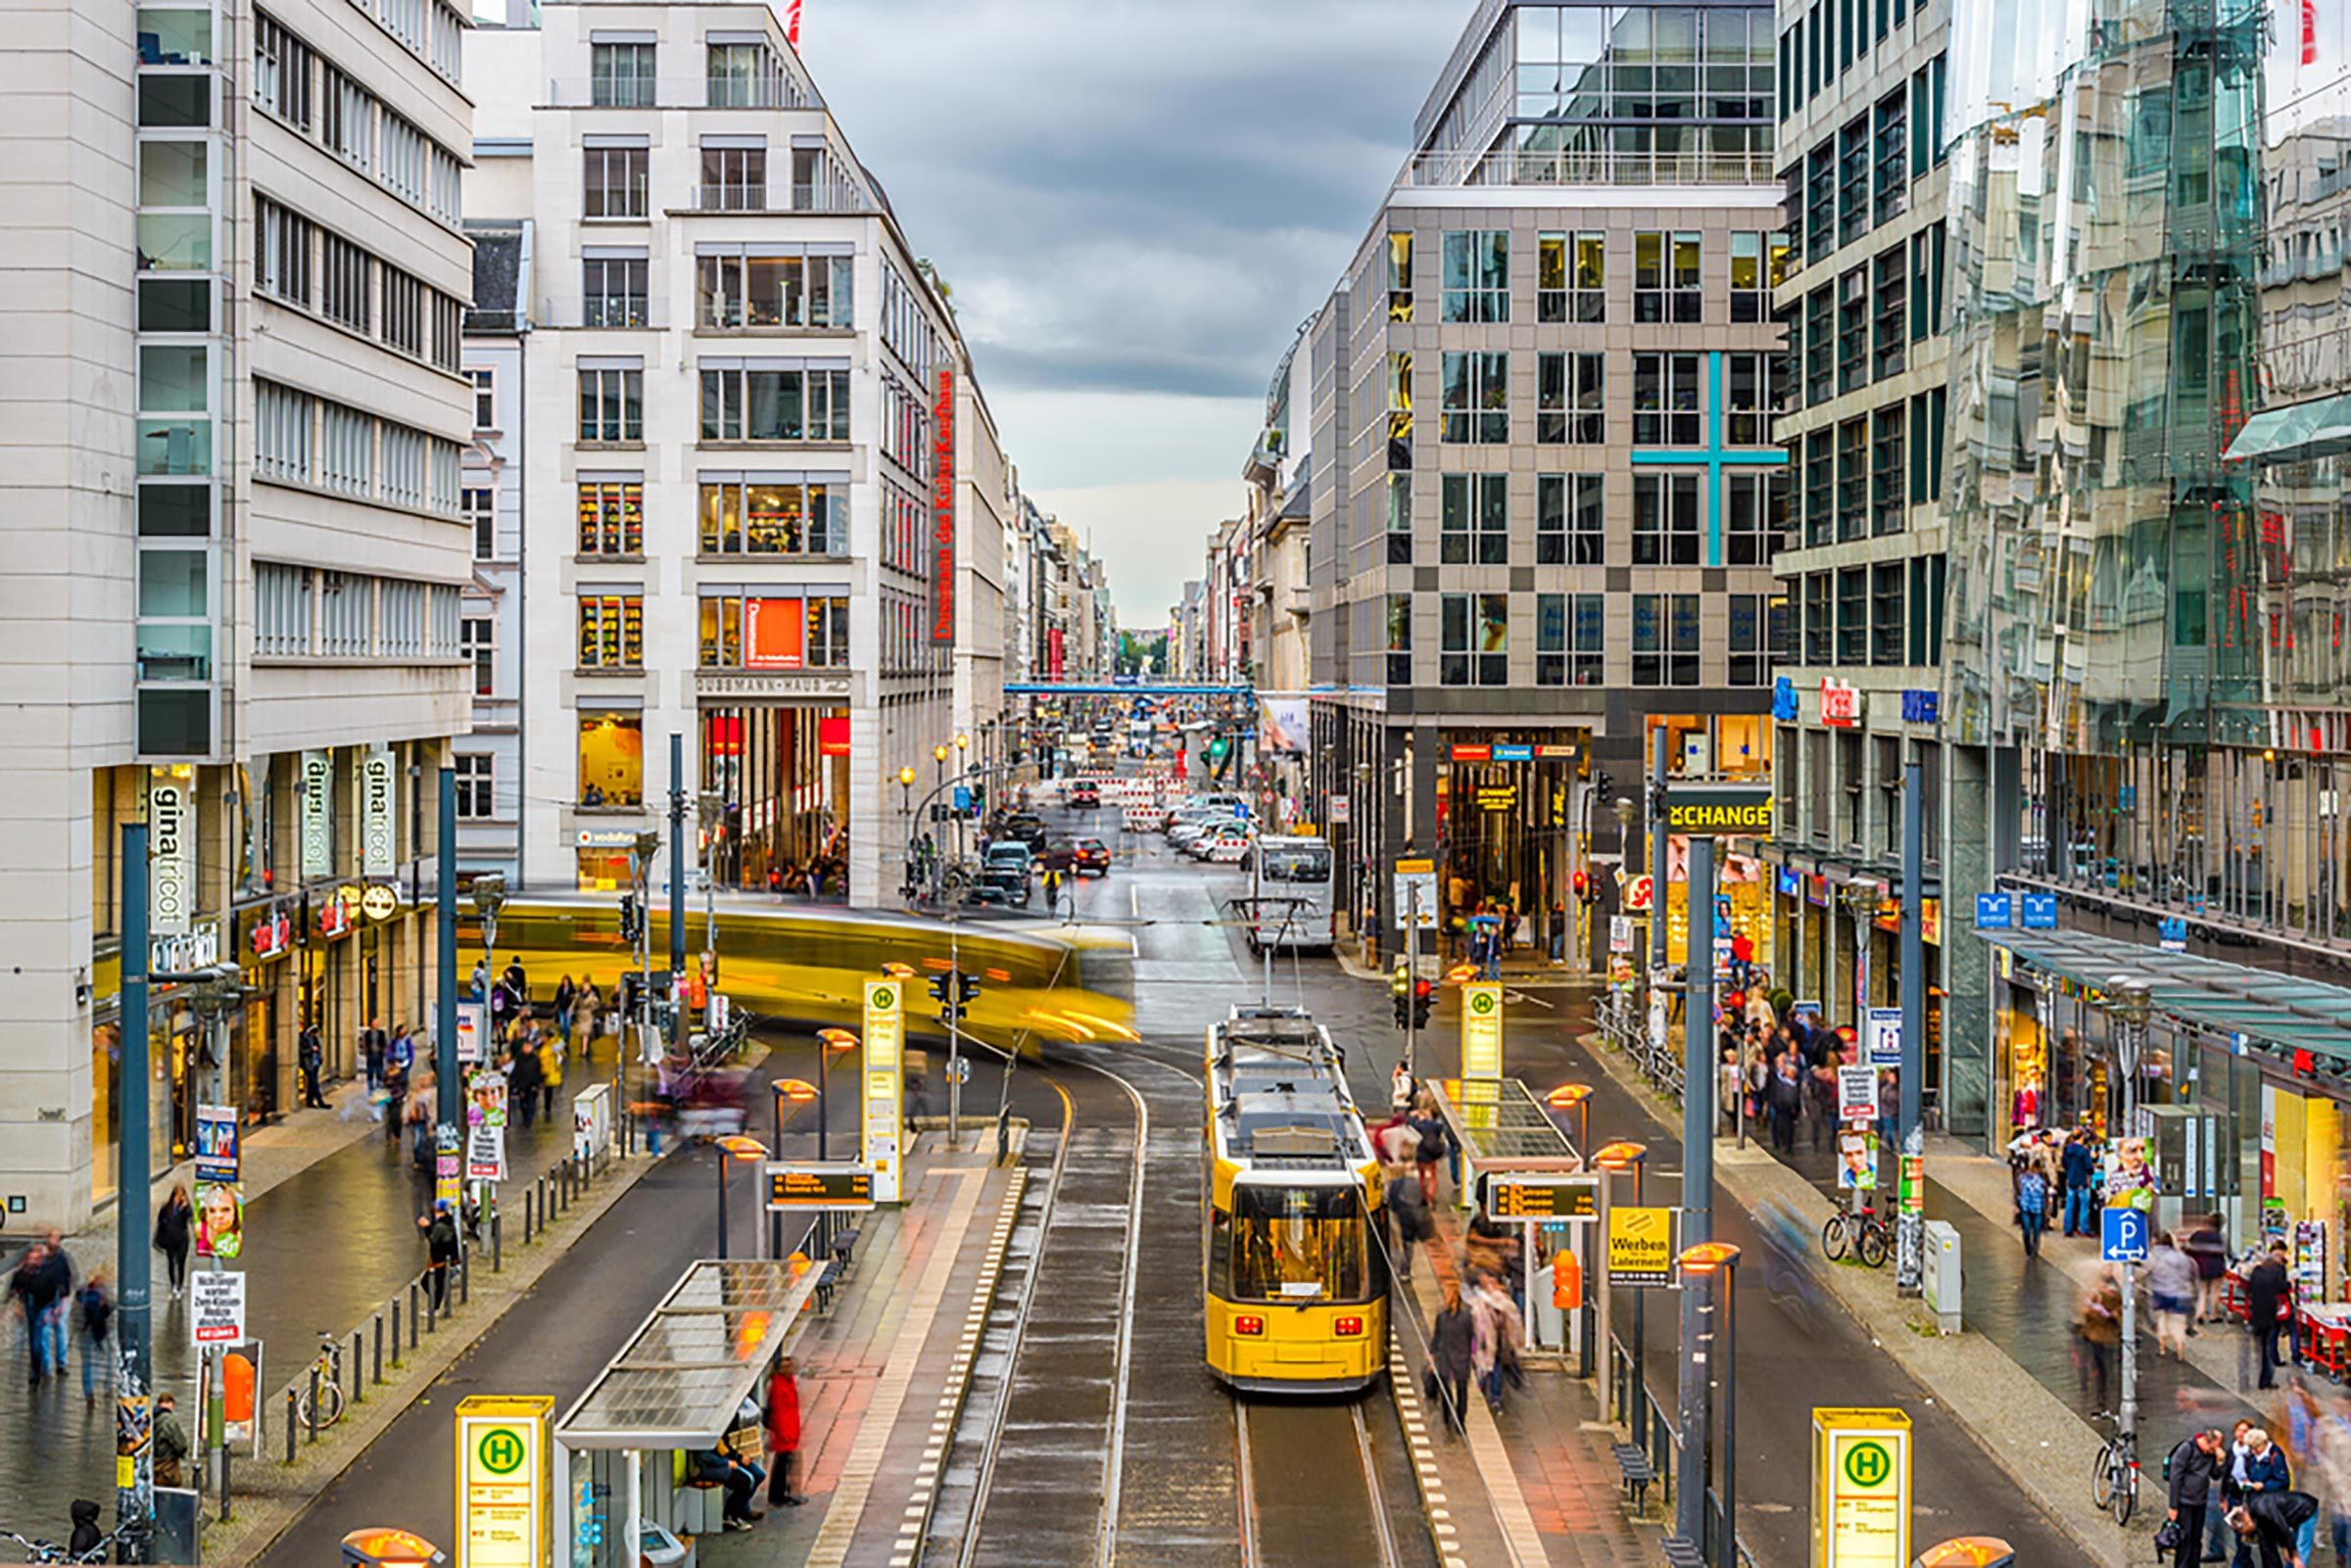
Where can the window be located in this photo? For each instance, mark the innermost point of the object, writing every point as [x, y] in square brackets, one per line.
[475, 793]
[767, 289]
[745, 76]
[404, 159]
[1478, 275]
[1749, 401]
[1667, 281]
[1572, 277]
[1925, 609]
[762, 404]
[612, 292]
[1756, 518]
[485, 397]
[1885, 613]
[1852, 330]
[781, 633]
[1757, 621]
[1570, 639]
[734, 179]
[1852, 480]
[1926, 447]
[1820, 201]
[1889, 341]
[477, 638]
[1666, 638]
[612, 632]
[612, 517]
[1474, 520]
[448, 199]
[1820, 620]
[347, 450]
[1570, 520]
[611, 760]
[1758, 264]
[1400, 640]
[1885, 512]
[1571, 399]
[403, 326]
[348, 122]
[615, 184]
[1400, 519]
[1400, 410]
[1926, 282]
[480, 509]
[1665, 520]
[788, 515]
[1890, 184]
[1852, 615]
[281, 433]
[281, 610]
[1473, 643]
[1820, 345]
[405, 465]
[346, 615]
[622, 75]
[281, 71]
[611, 405]
[1820, 487]
[1665, 410]
[1400, 276]
[1476, 405]
[1853, 180]
[346, 283]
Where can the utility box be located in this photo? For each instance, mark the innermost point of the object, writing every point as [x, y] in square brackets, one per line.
[1940, 1275]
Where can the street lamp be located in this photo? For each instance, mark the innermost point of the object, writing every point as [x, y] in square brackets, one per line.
[732, 1147]
[1576, 1097]
[828, 1042]
[906, 809]
[1705, 1261]
[1861, 902]
[962, 745]
[1616, 1158]
[938, 872]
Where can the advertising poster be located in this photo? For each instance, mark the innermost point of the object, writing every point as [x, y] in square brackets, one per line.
[220, 1219]
[217, 1156]
[1281, 725]
[1857, 1159]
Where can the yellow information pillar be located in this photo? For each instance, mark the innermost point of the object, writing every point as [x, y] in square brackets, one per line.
[504, 1486]
[884, 1086]
[1860, 1489]
[1481, 1031]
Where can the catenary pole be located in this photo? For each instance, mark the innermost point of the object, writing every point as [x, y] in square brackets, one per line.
[1910, 1224]
[1697, 1181]
[134, 1503]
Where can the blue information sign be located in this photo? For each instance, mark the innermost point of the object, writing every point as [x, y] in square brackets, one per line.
[1994, 911]
[2041, 911]
[2123, 1236]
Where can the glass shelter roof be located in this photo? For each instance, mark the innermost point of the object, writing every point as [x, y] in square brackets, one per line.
[2277, 1011]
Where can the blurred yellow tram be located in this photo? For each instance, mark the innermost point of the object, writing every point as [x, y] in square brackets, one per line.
[1296, 1278]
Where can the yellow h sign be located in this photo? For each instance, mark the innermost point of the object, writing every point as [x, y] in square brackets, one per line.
[503, 1486]
[1481, 1031]
[1860, 1489]
[885, 1081]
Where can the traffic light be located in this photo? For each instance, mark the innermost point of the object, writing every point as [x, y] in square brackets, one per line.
[1604, 787]
[1580, 884]
[953, 991]
[1400, 988]
[942, 989]
[632, 992]
[1424, 997]
[632, 919]
[967, 988]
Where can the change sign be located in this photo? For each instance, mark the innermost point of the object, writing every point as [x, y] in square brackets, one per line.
[1706, 811]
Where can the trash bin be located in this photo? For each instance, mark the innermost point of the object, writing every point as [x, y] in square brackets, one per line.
[389, 1549]
[1942, 1275]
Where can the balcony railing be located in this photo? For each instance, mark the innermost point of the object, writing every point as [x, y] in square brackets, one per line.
[775, 198]
[678, 92]
[1606, 166]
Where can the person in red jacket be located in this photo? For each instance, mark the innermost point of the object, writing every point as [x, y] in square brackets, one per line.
[783, 1433]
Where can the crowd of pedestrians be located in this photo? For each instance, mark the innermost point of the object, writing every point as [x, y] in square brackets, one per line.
[2259, 1494]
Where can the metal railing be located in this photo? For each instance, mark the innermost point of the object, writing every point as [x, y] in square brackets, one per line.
[1661, 1445]
[1623, 1018]
[680, 92]
[1581, 166]
[775, 197]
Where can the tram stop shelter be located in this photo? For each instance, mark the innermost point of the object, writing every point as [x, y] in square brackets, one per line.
[679, 1385]
[1519, 1169]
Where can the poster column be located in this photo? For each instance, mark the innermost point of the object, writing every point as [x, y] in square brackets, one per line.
[885, 1116]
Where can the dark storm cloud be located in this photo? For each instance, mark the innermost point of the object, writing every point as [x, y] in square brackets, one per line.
[1131, 197]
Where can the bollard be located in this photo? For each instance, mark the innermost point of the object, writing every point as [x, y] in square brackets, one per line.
[432, 1306]
[497, 1256]
[379, 1346]
[359, 1384]
[312, 1421]
[465, 1280]
[293, 1420]
[414, 1313]
[225, 1450]
[395, 1330]
[527, 1207]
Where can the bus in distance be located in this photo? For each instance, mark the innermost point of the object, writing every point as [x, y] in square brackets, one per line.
[1290, 894]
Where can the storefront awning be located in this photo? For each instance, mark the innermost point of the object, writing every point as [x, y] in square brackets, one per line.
[2320, 428]
[2269, 1009]
[682, 1376]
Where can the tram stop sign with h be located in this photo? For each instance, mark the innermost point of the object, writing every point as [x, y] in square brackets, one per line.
[1860, 1489]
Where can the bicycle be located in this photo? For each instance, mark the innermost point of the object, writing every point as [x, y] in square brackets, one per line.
[329, 1386]
[1862, 1229]
[49, 1551]
[2114, 1478]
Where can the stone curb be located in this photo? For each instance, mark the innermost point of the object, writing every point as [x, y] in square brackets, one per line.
[2023, 1428]
[262, 1516]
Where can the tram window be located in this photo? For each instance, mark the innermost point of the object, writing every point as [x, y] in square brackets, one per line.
[1220, 1253]
[1298, 1236]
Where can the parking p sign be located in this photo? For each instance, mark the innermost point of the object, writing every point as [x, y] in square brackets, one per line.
[2123, 1236]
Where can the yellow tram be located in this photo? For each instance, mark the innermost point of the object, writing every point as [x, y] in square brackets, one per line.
[1296, 1278]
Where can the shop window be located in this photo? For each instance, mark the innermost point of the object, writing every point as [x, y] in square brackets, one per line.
[1817, 783]
[779, 517]
[611, 760]
[1474, 520]
[612, 517]
[612, 632]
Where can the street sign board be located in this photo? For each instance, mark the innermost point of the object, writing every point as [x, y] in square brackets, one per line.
[1481, 1030]
[502, 1481]
[2123, 1235]
[1857, 1093]
[828, 1185]
[1860, 1489]
[1620, 933]
[1641, 1247]
[1542, 1195]
[216, 1307]
[1995, 912]
[486, 1152]
[217, 1156]
[1884, 1037]
[469, 1031]
[1416, 894]
[884, 1085]
[2039, 910]
[1705, 811]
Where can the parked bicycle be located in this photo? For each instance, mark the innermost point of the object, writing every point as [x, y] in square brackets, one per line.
[329, 1386]
[1859, 1229]
[38, 1550]
[2114, 1479]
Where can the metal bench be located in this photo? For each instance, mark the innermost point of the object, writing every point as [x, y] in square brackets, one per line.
[826, 1283]
[1635, 1467]
[844, 1252]
[1683, 1553]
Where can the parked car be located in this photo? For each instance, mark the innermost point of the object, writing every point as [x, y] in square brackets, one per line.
[1028, 827]
[999, 885]
[1093, 858]
[1009, 854]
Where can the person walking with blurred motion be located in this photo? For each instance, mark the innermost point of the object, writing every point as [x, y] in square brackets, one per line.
[783, 1433]
[2074, 1170]
[440, 1229]
[175, 1226]
[2268, 1298]
[310, 1056]
[2208, 1245]
[94, 1316]
[1452, 1355]
[2172, 1293]
[2100, 1328]
[1435, 1137]
[526, 1076]
[2032, 1206]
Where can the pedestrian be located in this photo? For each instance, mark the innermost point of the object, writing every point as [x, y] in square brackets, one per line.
[1783, 1098]
[480, 981]
[526, 1076]
[94, 1315]
[1558, 932]
[1508, 1330]
[2217, 1533]
[2272, 1521]
[170, 1442]
[1435, 1137]
[2329, 1467]
[550, 1075]
[2172, 1293]
[565, 994]
[25, 1284]
[395, 1092]
[1820, 1103]
[2100, 1328]
[2208, 1245]
[2032, 1206]
[2074, 1170]
[1731, 1083]
[402, 1052]
[2268, 1301]
[1452, 1352]
[174, 1227]
[783, 1433]
[1401, 1088]
[310, 1055]
[440, 1229]
[2195, 1468]
[372, 1044]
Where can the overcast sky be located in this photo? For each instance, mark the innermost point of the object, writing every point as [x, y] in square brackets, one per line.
[1136, 204]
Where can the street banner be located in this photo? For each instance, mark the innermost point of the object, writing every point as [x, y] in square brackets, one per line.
[1481, 1030]
[217, 1150]
[1860, 1489]
[220, 1219]
[486, 1152]
[216, 1307]
[1884, 1037]
[486, 1094]
[449, 1165]
[1857, 1159]
[469, 1033]
[1620, 933]
[1857, 1093]
[883, 1100]
[1641, 1247]
[503, 1488]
